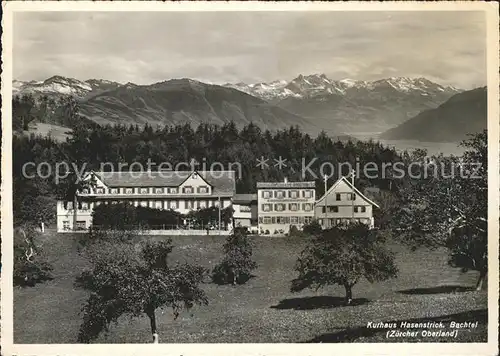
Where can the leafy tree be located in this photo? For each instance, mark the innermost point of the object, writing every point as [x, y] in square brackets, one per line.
[30, 266]
[343, 256]
[237, 264]
[450, 210]
[125, 216]
[210, 216]
[124, 282]
[389, 204]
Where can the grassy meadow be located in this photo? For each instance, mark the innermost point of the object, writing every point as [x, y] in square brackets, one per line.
[264, 309]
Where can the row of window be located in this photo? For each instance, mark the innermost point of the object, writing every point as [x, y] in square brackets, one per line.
[285, 220]
[290, 207]
[335, 209]
[80, 225]
[158, 204]
[332, 222]
[154, 190]
[294, 194]
[349, 196]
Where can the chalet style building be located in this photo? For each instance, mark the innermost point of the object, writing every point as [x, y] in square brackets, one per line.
[181, 191]
[344, 203]
[283, 204]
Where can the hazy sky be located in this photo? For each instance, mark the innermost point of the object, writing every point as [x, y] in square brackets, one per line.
[219, 47]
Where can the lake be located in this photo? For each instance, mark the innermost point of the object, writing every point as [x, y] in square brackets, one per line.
[433, 148]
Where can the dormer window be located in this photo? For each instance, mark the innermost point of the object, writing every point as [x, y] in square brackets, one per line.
[129, 190]
[144, 190]
[85, 191]
[187, 190]
[99, 190]
[173, 190]
[113, 191]
[159, 190]
[203, 190]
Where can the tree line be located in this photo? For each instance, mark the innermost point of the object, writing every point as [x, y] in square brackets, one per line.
[89, 147]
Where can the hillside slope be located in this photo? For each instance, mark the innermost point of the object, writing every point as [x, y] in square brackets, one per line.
[462, 114]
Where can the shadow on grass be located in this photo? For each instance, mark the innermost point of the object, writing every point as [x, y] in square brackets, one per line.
[317, 302]
[351, 335]
[437, 290]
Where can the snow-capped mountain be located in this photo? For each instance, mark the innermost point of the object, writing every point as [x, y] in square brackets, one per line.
[314, 85]
[352, 105]
[58, 85]
[347, 106]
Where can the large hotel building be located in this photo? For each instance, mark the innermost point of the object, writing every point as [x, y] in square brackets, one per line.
[283, 204]
[182, 191]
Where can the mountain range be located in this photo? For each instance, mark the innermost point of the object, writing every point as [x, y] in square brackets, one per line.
[350, 105]
[313, 102]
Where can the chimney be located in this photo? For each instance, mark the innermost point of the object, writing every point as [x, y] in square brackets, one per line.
[285, 180]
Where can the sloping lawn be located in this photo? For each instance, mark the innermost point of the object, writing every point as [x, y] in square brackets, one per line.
[264, 309]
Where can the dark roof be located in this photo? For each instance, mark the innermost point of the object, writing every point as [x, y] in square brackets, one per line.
[222, 182]
[310, 184]
[244, 198]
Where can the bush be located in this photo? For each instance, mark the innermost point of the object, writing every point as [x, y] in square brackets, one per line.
[313, 228]
[295, 232]
[237, 265]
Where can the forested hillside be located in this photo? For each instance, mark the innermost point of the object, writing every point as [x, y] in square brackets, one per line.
[213, 147]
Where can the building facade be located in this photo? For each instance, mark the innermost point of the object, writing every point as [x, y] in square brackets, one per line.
[344, 203]
[284, 204]
[182, 191]
[245, 211]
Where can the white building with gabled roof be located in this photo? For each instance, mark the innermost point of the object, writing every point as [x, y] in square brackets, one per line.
[342, 204]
